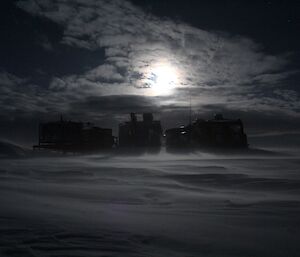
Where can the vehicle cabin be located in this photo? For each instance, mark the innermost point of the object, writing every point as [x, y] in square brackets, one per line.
[140, 133]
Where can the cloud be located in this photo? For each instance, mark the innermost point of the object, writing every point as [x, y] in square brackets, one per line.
[106, 73]
[19, 98]
[216, 68]
[273, 78]
[115, 104]
[9, 80]
[13, 97]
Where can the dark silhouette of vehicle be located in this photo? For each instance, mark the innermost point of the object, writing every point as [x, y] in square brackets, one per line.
[145, 133]
[218, 132]
[70, 136]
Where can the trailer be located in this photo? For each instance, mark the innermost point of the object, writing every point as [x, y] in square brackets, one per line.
[70, 136]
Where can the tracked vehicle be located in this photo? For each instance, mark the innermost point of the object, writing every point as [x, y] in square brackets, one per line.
[217, 132]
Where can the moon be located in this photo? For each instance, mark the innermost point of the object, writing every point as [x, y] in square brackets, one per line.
[162, 79]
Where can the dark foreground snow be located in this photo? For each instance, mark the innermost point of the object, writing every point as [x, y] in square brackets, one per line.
[164, 205]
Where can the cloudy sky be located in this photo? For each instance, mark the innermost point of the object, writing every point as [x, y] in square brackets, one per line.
[97, 60]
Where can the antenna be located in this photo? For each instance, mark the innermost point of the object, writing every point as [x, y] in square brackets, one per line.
[190, 114]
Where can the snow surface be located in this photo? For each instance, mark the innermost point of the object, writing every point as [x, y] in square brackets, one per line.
[10, 150]
[165, 205]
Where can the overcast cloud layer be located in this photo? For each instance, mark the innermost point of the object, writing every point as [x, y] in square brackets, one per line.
[217, 69]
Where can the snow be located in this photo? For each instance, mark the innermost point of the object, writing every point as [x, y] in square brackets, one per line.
[10, 150]
[197, 204]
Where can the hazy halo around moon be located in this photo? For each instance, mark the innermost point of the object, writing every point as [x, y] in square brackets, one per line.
[162, 78]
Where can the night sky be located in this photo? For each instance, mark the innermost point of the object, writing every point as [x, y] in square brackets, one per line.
[97, 60]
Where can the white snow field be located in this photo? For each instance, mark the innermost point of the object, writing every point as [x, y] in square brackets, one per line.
[164, 205]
